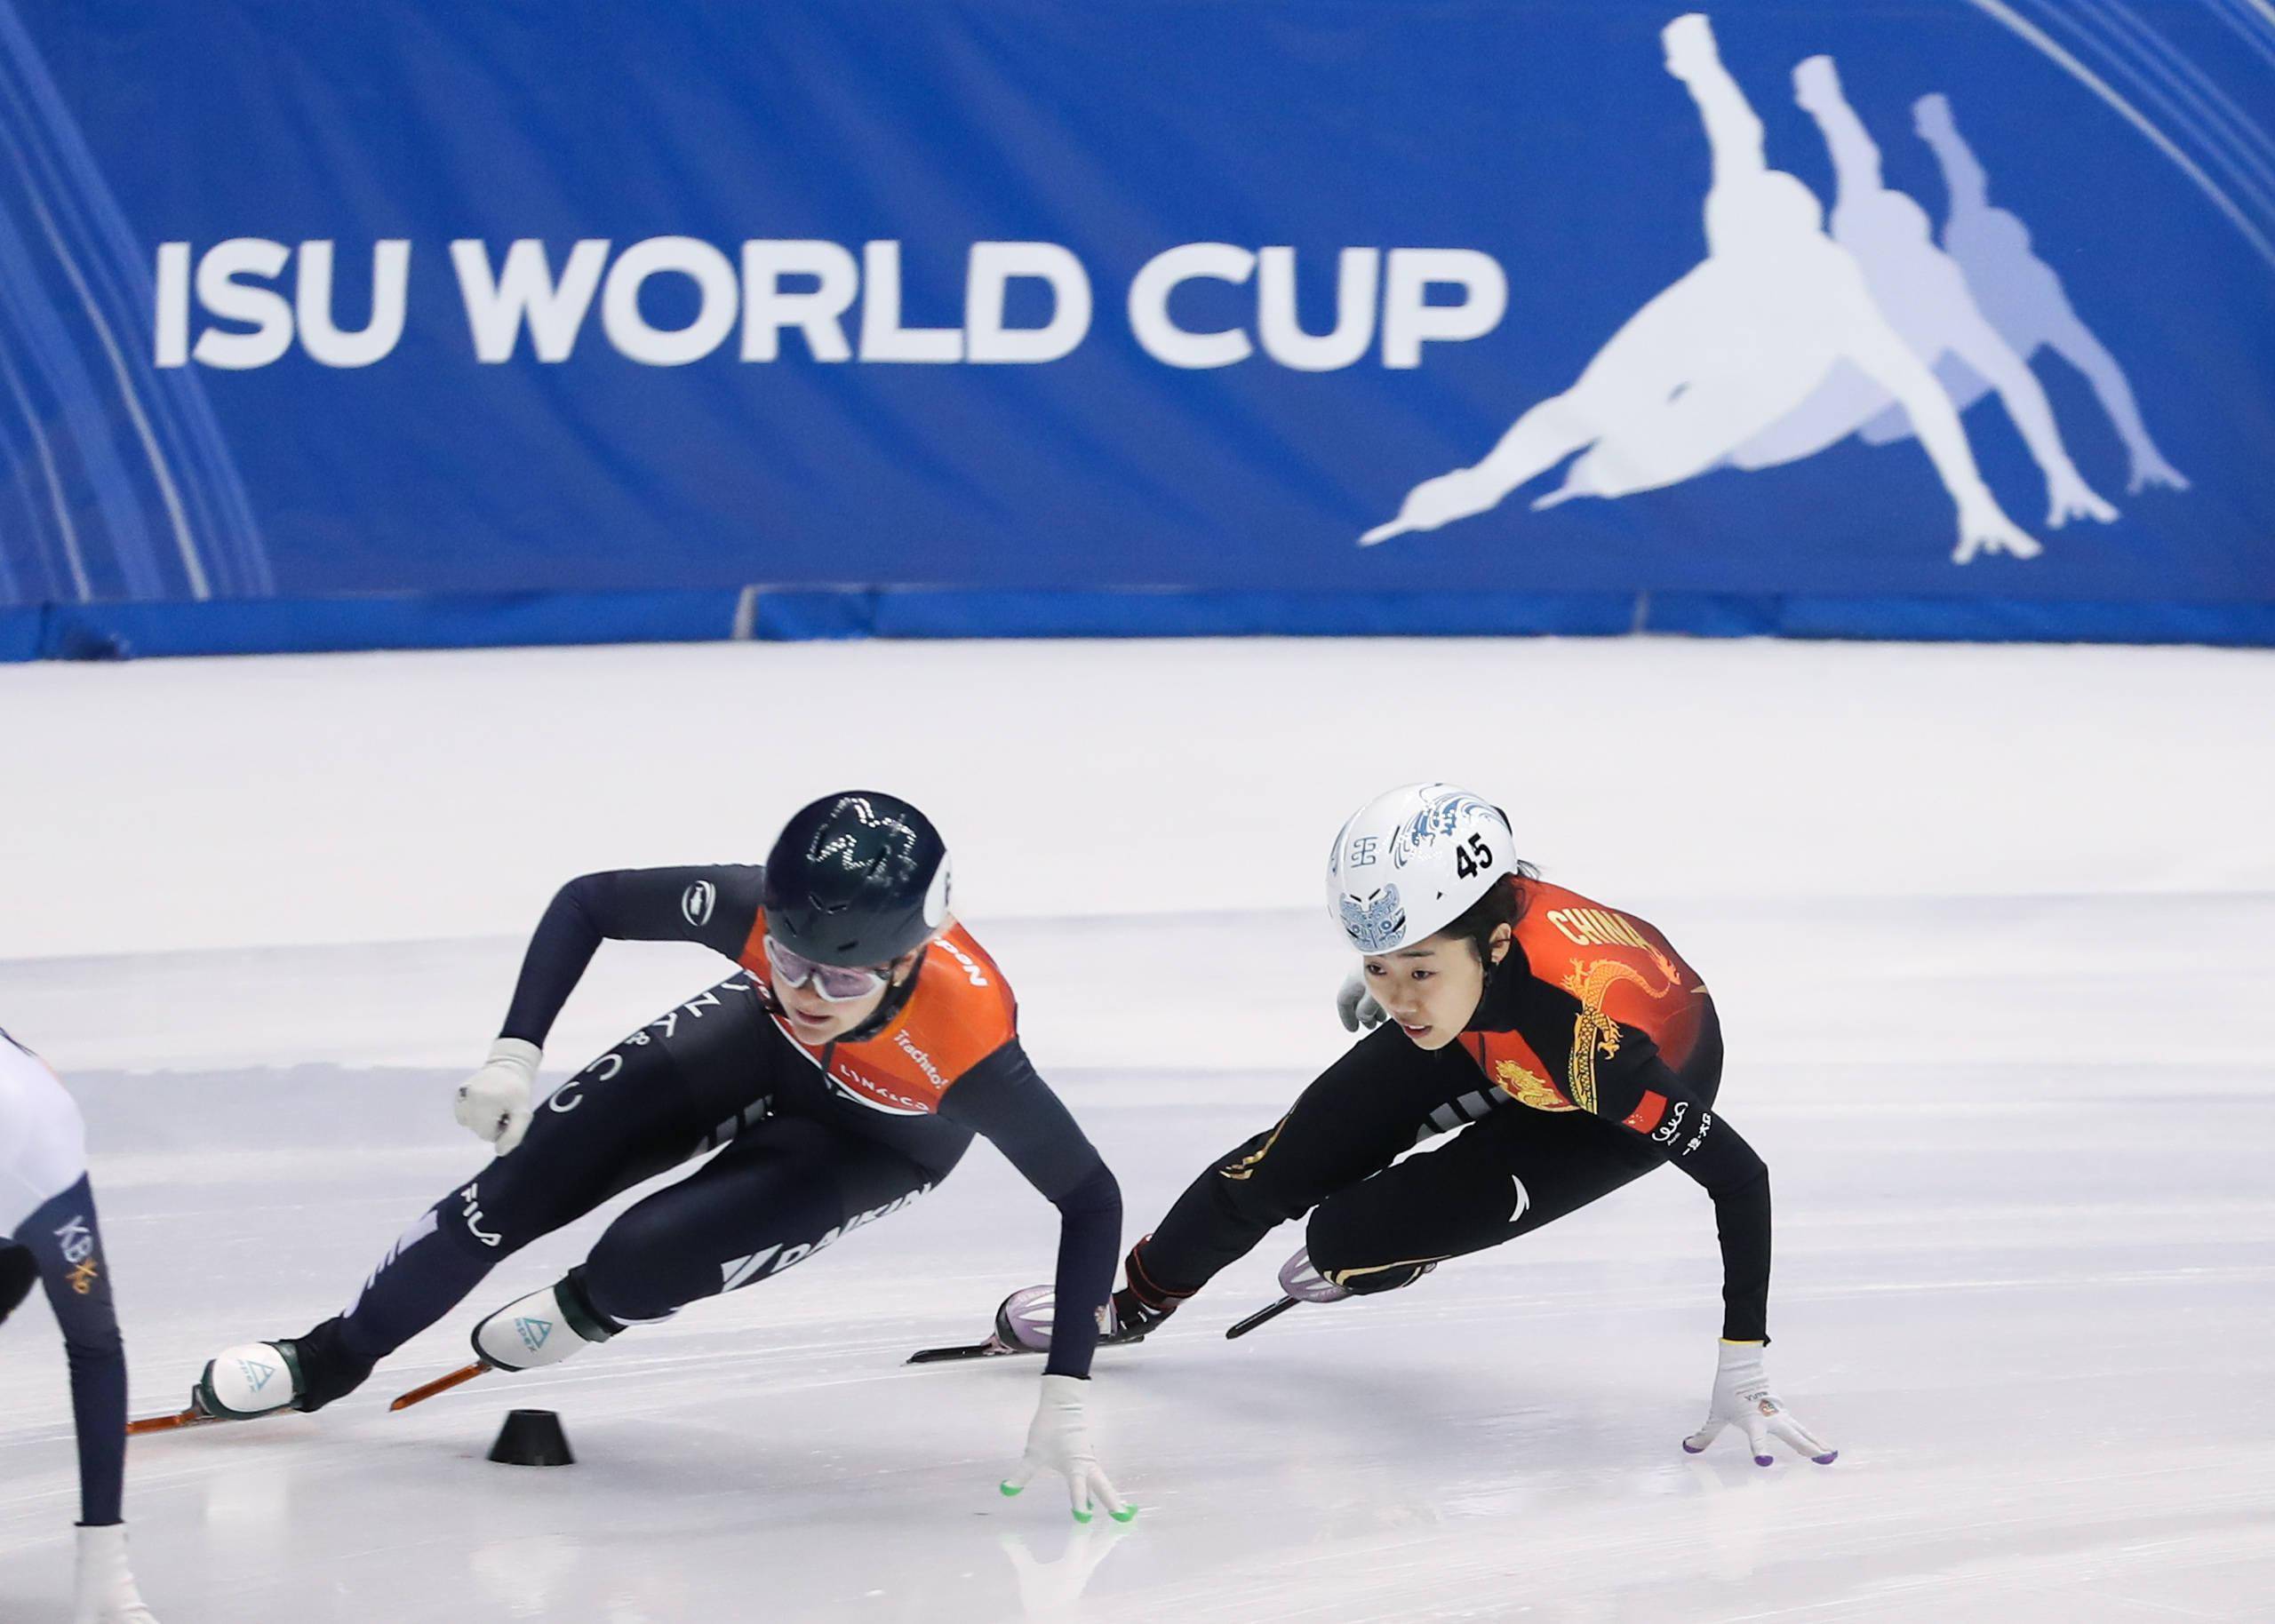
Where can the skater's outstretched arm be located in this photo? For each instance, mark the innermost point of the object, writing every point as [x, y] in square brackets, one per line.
[1616, 1073]
[1733, 128]
[720, 907]
[717, 906]
[1005, 1102]
[1641, 1094]
[1856, 156]
[1963, 176]
[1002, 1099]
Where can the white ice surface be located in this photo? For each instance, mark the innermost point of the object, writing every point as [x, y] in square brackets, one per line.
[1992, 931]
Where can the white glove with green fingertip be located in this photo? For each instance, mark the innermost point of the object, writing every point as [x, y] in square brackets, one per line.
[1059, 1440]
[1743, 1398]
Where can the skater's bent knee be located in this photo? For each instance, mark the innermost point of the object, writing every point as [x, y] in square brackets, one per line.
[1259, 1197]
[1347, 1247]
[639, 1269]
[1363, 1282]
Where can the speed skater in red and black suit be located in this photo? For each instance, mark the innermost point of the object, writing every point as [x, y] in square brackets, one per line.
[1566, 1044]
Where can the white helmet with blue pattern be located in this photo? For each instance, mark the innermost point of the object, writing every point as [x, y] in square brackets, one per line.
[1412, 860]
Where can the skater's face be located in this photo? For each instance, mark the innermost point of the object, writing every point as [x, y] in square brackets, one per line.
[816, 1020]
[1431, 988]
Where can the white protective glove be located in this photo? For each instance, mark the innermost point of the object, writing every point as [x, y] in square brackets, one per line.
[107, 1593]
[494, 1102]
[1357, 1006]
[1059, 1439]
[1741, 1396]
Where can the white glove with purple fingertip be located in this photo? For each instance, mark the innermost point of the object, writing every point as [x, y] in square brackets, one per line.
[1743, 1398]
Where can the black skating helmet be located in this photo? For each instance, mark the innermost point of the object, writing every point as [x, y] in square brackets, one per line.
[858, 878]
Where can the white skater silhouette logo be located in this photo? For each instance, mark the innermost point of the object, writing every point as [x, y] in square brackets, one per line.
[1924, 295]
[2023, 300]
[1775, 345]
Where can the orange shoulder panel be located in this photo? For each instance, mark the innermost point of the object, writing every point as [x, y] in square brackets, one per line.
[963, 1011]
[753, 957]
[1562, 929]
[1617, 965]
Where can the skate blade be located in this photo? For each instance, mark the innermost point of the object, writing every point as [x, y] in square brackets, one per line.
[1262, 1316]
[989, 1349]
[195, 1415]
[191, 1417]
[439, 1384]
[994, 1348]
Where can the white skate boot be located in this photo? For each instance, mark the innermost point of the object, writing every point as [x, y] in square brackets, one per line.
[542, 1328]
[250, 1379]
[295, 1372]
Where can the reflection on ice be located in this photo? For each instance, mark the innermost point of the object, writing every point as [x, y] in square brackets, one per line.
[528, 1578]
[1052, 1592]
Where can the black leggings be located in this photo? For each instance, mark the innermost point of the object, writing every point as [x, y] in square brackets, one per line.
[1510, 1169]
[61, 1244]
[800, 1167]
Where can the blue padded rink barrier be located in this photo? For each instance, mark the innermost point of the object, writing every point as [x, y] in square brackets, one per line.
[440, 325]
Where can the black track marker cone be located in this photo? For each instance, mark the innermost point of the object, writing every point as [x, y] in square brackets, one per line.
[532, 1438]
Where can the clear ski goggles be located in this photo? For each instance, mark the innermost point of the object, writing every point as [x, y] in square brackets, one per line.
[839, 983]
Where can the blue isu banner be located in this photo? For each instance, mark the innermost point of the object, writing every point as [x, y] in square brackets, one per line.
[331, 326]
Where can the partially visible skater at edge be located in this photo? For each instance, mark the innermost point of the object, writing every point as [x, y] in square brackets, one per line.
[1567, 1043]
[839, 1076]
[49, 1234]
